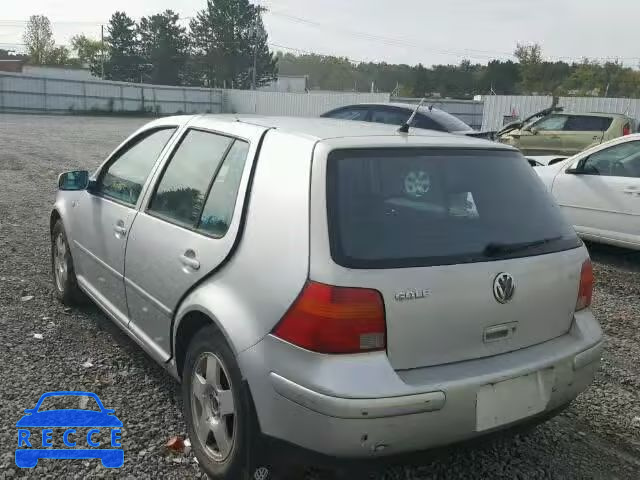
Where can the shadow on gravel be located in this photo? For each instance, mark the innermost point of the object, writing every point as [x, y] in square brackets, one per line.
[622, 258]
[132, 349]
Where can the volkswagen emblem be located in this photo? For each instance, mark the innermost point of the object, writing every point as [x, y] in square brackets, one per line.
[504, 287]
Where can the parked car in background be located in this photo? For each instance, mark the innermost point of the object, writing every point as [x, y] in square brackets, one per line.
[599, 190]
[303, 279]
[560, 133]
[427, 117]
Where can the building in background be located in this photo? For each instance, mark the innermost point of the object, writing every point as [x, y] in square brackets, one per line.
[287, 84]
[61, 72]
[13, 66]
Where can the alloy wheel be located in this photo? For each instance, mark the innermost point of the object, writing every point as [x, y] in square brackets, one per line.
[213, 407]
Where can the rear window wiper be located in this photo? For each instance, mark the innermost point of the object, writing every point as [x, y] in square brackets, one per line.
[495, 248]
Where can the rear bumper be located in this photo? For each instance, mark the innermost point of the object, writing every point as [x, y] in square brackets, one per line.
[358, 406]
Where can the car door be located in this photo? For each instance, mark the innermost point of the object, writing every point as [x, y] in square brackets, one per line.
[583, 131]
[186, 230]
[601, 193]
[104, 214]
[543, 137]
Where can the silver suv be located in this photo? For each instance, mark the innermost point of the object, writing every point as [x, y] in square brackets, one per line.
[341, 286]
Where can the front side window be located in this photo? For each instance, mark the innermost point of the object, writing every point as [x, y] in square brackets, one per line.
[183, 187]
[124, 177]
[553, 123]
[620, 161]
[395, 208]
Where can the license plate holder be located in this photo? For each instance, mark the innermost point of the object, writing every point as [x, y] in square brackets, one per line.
[508, 401]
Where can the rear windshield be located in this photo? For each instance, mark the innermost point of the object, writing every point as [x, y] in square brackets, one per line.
[394, 208]
[448, 121]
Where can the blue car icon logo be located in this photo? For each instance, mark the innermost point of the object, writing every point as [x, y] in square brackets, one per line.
[36, 435]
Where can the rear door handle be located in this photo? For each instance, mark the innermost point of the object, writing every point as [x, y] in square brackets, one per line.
[633, 191]
[188, 259]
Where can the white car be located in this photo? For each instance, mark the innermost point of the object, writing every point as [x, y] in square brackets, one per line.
[599, 191]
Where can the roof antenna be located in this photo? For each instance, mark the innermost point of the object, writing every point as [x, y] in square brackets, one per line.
[404, 128]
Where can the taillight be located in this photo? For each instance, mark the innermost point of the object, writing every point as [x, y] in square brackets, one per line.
[626, 130]
[330, 319]
[585, 292]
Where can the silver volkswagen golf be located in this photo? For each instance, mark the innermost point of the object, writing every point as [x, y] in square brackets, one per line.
[343, 287]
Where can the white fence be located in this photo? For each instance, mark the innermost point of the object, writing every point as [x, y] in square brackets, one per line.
[498, 109]
[30, 94]
[24, 93]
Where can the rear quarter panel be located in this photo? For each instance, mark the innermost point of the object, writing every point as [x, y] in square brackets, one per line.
[267, 271]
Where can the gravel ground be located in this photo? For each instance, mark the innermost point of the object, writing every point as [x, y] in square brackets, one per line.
[598, 437]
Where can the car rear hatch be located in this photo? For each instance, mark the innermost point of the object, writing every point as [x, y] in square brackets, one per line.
[471, 256]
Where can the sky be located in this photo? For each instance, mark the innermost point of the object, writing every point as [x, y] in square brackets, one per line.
[410, 31]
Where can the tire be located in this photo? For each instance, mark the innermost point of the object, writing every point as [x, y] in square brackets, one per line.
[206, 408]
[64, 276]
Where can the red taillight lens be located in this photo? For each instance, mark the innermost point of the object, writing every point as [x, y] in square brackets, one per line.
[329, 319]
[626, 130]
[585, 292]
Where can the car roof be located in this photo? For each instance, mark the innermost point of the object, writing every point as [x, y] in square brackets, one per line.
[408, 106]
[320, 129]
[592, 114]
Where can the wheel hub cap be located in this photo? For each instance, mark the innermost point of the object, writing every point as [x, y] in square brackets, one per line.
[213, 407]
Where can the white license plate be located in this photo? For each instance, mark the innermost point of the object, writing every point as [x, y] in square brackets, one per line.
[512, 400]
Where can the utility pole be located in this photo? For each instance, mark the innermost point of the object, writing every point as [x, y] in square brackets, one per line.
[255, 64]
[102, 50]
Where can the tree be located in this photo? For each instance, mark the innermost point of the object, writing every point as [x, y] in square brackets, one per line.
[38, 38]
[58, 56]
[500, 77]
[123, 62]
[164, 45]
[528, 54]
[228, 38]
[87, 50]
[530, 59]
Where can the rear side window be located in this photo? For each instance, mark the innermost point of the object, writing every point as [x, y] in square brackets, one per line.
[448, 122]
[394, 208]
[127, 173]
[181, 193]
[579, 123]
[390, 116]
[422, 121]
[349, 114]
[218, 209]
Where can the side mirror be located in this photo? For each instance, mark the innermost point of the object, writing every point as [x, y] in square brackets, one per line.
[573, 171]
[76, 180]
[534, 130]
[30, 410]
